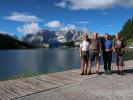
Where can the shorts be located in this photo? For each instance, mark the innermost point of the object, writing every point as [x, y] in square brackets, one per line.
[85, 55]
[94, 56]
[119, 58]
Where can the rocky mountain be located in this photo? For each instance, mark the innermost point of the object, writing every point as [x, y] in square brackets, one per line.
[52, 37]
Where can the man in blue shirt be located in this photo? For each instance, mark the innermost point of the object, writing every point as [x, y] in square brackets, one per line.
[107, 48]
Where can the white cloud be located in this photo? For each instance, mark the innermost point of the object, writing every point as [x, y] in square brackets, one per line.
[93, 4]
[69, 27]
[54, 24]
[29, 28]
[61, 4]
[22, 17]
[82, 22]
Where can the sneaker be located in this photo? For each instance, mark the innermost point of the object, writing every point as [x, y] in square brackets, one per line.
[98, 73]
[109, 72]
[89, 73]
[121, 73]
[106, 72]
[85, 73]
[118, 72]
[82, 74]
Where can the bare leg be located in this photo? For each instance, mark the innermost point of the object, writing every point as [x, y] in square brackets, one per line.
[118, 67]
[86, 66]
[121, 65]
[82, 67]
[98, 65]
[121, 70]
[90, 66]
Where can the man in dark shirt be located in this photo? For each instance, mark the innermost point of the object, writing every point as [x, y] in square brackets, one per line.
[95, 51]
[118, 46]
[107, 48]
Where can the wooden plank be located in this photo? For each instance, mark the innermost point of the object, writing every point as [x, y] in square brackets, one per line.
[78, 78]
[71, 73]
[39, 84]
[25, 86]
[21, 87]
[70, 77]
[4, 97]
[17, 90]
[51, 80]
[76, 71]
[62, 78]
[8, 93]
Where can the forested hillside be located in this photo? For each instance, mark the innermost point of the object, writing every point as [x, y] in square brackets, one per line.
[127, 31]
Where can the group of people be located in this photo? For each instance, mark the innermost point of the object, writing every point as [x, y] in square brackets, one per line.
[91, 50]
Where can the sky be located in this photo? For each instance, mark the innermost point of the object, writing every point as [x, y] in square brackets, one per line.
[20, 17]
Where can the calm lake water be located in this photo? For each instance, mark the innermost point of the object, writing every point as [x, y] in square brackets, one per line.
[15, 63]
[20, 63]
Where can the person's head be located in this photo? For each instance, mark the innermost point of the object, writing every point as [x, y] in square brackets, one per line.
[86, 37]
[95, 35]
[106, 36]
[117, 35]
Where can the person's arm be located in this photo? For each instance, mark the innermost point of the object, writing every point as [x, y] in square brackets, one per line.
[113, 45]
[100, 48]
[102, 44]
[80, 50]
[124, 43]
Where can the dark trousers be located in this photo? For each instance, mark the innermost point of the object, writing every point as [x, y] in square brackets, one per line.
[107, 58]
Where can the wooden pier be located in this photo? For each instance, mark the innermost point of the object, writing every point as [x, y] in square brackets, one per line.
[30, 88]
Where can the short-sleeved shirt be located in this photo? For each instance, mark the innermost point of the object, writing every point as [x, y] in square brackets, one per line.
[118, 44]
[85, 46]
[95, 44]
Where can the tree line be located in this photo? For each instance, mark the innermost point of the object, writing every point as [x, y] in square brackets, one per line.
[127, 31]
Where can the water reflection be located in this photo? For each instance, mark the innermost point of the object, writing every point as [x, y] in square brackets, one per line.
[15, 62]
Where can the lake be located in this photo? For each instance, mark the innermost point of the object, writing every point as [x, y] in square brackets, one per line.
[22, 63]
[15, 63]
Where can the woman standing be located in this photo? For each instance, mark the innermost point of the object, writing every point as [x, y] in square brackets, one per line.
[84, 54]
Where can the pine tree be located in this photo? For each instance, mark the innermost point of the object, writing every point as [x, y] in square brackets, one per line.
[127, 30]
